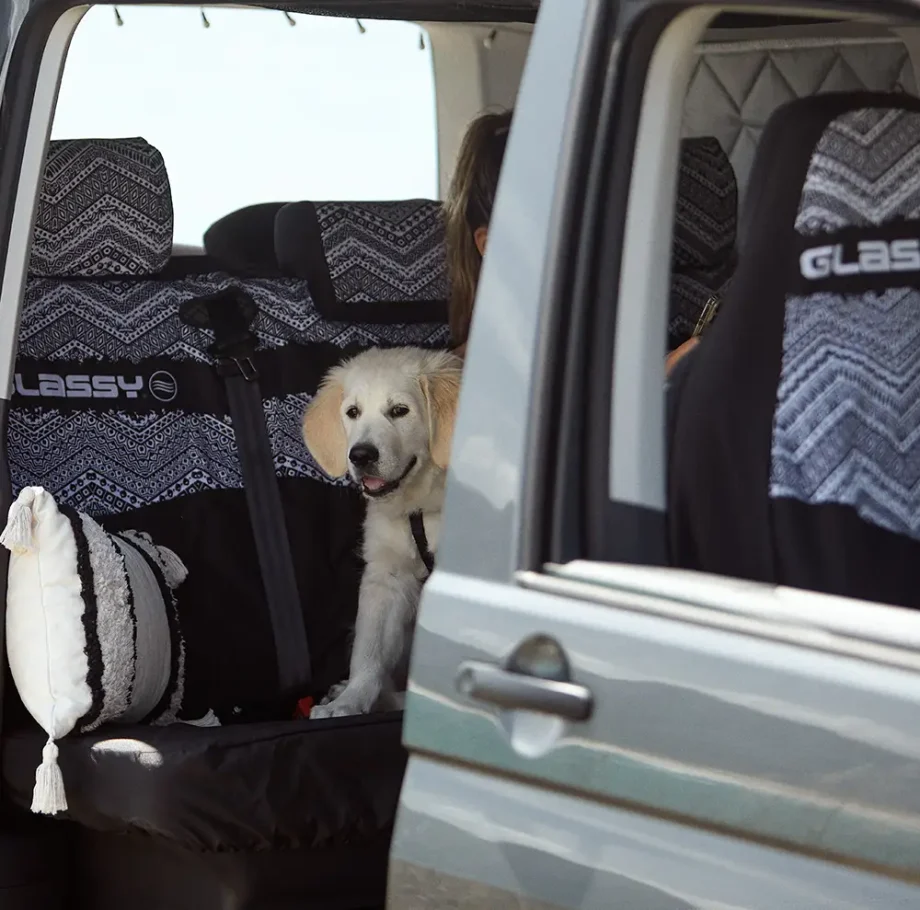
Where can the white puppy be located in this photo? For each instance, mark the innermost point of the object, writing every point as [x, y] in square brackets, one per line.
[386, 417]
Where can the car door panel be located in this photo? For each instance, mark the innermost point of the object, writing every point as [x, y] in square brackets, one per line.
[473, 840]
[763, 737]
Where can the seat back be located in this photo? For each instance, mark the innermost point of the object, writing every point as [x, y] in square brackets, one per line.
[376, 262]
[796, 454]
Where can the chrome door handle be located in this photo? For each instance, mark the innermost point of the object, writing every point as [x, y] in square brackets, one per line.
[489, 683]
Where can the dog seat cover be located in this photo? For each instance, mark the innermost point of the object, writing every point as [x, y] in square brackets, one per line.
[119, 412]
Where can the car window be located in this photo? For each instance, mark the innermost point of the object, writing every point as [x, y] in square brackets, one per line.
[255, 105]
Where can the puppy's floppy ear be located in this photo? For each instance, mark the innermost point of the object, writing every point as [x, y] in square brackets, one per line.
[442, 390]
[322, 428]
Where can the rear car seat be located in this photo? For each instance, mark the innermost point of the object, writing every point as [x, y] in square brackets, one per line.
[273, 811]
[795, 454]
[162, 457]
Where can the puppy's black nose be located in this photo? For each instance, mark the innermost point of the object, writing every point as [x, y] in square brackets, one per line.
[362, 454]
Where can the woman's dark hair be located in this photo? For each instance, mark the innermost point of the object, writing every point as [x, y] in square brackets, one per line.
[469, 207]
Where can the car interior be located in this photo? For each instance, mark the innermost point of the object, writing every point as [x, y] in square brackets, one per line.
[243, 803]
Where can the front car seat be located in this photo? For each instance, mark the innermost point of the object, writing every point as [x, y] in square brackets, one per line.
[795, 452]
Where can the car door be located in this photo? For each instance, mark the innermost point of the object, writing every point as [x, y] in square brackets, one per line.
[586, 728]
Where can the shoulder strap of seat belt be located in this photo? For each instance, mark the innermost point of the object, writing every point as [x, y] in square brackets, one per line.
[417, 526]
[229, 314]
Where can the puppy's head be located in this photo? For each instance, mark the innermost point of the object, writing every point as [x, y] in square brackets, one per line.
[383, 416]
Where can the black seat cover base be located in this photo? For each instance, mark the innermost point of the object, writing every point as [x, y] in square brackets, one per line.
[242, 787]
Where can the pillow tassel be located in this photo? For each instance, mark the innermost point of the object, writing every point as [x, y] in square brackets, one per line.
[209, 720]
[48, 796]
[17, 535]
[174, 568]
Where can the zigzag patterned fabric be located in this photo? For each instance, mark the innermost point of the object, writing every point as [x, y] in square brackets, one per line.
[707, 204]
[105, 461]
[115, 403]
[847, 421]
[704, 233]
[119, 412]
[137, 319]
[104, 209]
[381, 252]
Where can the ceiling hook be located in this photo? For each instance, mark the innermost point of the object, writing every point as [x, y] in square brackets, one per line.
[118, 19]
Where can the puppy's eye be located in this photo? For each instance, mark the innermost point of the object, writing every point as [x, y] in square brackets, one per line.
[353, 413]
[398, 410]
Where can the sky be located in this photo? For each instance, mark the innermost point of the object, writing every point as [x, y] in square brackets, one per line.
[254, 110]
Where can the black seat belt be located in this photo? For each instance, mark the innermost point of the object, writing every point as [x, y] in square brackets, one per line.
[417, 526]
[229, 314]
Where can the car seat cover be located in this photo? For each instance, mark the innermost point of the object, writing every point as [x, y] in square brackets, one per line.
[847, 422]
[104, 209]
[384, 251]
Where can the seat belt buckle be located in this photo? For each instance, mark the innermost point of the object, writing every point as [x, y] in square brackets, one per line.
[233, 356]
[303, 709]
[247, 369]
[709, 311]
[229, 314]
[237, 366]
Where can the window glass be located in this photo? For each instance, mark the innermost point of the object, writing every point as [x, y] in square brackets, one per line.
[247, 108]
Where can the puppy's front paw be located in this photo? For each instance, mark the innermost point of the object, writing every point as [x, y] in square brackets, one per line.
[334, 692]
[337, 707]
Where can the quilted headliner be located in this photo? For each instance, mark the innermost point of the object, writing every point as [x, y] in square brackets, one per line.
[735, 87]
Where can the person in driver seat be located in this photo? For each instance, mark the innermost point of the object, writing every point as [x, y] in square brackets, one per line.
[468, 211]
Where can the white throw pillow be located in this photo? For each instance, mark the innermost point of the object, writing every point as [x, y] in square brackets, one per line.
[92, 632]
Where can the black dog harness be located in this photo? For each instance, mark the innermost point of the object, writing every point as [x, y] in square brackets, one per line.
[417, 526]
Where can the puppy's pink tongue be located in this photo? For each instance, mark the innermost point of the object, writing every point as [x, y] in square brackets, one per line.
[374, 483]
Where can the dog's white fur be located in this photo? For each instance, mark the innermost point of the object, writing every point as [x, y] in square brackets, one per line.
[402, 401]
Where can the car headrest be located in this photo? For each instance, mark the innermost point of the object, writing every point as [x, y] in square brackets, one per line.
[104, 209]
[371, 262]
[244, 240]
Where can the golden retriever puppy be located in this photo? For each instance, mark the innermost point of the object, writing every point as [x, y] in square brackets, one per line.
[386, 417]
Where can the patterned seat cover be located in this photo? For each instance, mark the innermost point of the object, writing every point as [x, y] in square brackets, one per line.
[379, 262]
[796, 454]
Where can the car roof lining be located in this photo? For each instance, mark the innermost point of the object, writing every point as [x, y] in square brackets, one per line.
[498, 11]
